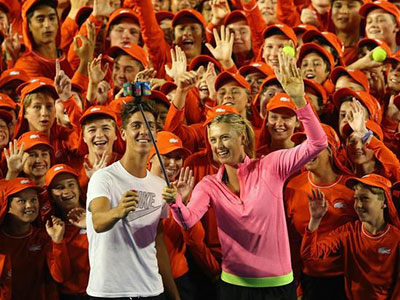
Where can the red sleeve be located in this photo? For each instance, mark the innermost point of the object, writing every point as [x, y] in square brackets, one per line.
[153, 37]
[193, 109]
[58, 261]
[194, 239]
[287, 13]
[82, 81]
[74, 112]
[5, 277]
[256, 24]
[191, 136]
[387, 158]
[73, 58]
[69, 29]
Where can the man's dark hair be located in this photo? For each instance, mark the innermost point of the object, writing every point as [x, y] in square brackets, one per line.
[132, 107]
[50, 3]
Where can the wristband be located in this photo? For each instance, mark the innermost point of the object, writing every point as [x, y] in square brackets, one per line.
[366, 136]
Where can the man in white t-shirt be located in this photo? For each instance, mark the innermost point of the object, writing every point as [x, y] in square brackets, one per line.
[127, 253]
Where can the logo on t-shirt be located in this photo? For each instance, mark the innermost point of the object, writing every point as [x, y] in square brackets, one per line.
[145, 206]
[384, 250]
[35, 248]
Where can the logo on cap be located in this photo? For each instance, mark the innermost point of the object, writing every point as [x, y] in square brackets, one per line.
[34, 80]
[14, 73]
[124, 11]
[220, 110]
[24, 181]
[95, 109]
[173, 141]
[285, 99]
[58, 168]
[256, 65]
[34, 136]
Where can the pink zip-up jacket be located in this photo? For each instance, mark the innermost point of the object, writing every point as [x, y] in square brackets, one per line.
[252, 227]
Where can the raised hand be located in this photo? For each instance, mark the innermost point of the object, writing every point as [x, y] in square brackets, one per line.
[146, 75]
[95, 72]
[102, 92]
[318, 206]
[185, 184]
[15, 159]
[179, 63]
[223, 47]
[129, 201]
[189, 79]
[99, 163]
[76, 5]
[62, 83]
[290, 78]
[219, 9]
[102, 8]
[309, 16]
[210, 76]
[356, 117]
[366, 62]
[85, 49]
[55, 229]
[392, 112]
[11, 44]
[77, 217]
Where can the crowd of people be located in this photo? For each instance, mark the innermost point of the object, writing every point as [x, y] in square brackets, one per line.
[276, 173]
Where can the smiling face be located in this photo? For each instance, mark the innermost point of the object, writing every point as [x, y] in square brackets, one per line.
[345, 14]
[24, 205]
[40, 113]
[255, 80]
[100, 135]
[368, 206]
[136, 135]
[267, 9]
[281, 124]
[394, 78]
[125, 33]
[173, 163]
[268, 93]
[65, 192]
[271, 48]
[125, 69]
[43, 25]
[188, 35]
[357, 151]
[37, 161]
[227, 145]
[313, 67]
[232, 94]
[4, 134]
[242, 37]
[381, 25]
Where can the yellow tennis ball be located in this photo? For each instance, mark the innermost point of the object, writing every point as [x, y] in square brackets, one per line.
[379, 54]
[289, 50]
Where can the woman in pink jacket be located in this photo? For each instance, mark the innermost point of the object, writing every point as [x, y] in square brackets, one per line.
[246, 194]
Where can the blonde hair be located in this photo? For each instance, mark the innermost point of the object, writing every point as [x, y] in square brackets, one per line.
[241, 126]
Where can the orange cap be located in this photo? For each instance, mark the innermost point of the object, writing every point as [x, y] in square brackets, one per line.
[32, 139]
[357, 75]
[135, 51]
[203, 60]
[281, 100]
[121, 13]
[234, 16]
[189, 13]
[333, 138]
[365, 98]
[331, 38]
[36, 84]
[97, 110]
[162, 15]
[159, 96]
[377, 43]
[254, 67]
[219, 110]
[6, 116]
[167, 87]
[316, 88]
[310, 47]
[371, 125]
[168, 142]
[225, 76]
[385, 5]
[7, 103]
[395, 58]
[283, 28]
[11, 187]
[301, 28]
[379, 181]
[56, 170]
[13, 74]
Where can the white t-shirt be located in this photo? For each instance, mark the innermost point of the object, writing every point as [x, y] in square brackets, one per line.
[123, 260]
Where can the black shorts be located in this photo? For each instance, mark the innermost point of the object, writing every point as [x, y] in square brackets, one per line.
[235, 292]
[326, 288]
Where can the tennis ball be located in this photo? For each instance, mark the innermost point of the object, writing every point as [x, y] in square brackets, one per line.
[289, 50]
[379, 54]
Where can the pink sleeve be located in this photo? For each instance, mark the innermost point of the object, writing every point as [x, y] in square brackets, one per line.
[287, 161]
[188, 216]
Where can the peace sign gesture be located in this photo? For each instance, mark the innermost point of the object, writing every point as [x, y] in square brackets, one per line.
[15, 159]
